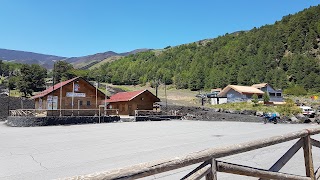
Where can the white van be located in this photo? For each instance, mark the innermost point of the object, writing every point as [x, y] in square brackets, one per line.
[308, 111]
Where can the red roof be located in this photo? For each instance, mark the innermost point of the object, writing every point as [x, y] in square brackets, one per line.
[125, 96]
[51, 89]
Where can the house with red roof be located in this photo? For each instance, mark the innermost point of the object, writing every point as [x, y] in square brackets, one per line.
[128, 102]
[73, 94]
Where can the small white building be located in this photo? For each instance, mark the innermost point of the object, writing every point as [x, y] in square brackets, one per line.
[218, 100]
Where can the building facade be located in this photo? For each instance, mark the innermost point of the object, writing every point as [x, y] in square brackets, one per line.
[235, 93]
[128, 102]
[73, 94]
[275, 95]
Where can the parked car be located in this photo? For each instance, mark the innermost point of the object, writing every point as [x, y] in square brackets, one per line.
[308, 111]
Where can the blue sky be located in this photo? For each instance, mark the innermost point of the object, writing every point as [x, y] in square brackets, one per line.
[83, 27]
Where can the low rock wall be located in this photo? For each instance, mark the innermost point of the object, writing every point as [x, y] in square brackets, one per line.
[156, 118]
[13, 103]
[27, 121]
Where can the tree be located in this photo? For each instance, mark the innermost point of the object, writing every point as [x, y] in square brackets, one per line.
[1, 67]
[31, 79]
[62, 71]
[255, 99]
[196, 79]
[25, 80]
[295, 90]
[266, 97]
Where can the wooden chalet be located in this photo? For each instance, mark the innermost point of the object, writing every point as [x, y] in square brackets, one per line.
[70, 95]
[235, 93]
[274, 94]
[128, 102]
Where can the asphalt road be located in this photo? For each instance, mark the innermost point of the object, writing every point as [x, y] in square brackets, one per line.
[64, 151]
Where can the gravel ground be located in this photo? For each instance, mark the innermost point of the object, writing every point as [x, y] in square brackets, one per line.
[209, 114]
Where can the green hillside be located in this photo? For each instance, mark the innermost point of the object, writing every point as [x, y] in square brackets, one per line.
[107, 60]
[284, 54]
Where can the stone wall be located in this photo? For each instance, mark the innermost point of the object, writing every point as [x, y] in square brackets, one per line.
[14, 103]
[27, 121]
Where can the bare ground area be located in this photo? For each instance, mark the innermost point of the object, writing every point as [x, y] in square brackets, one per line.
[209, 114]
[63, 151]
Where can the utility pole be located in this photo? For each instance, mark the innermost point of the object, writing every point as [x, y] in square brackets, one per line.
[165, 94]
[9, 94]
[157, 85]
[52, 94]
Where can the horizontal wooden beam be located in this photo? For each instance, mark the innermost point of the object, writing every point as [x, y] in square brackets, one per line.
[151, 168]
[254, 172]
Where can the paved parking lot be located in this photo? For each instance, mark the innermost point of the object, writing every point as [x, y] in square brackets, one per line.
[64, 151]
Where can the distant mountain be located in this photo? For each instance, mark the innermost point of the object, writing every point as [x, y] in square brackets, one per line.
[86, 62]
[28, 57]
[47, 61]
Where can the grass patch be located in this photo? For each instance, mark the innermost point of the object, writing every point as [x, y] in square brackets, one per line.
[286, 109]
[15, 93]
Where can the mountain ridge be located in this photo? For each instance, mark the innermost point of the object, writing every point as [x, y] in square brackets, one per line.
[47, 61]
[27, 57]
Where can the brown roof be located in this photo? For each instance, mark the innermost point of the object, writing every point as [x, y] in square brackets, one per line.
[261, 85]
[57, 86]
[241, 90]
[52, 88]
[128, 96]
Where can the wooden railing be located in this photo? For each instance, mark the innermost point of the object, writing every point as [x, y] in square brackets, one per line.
[25, 112]
[154, 113]
[146, 113]
[63, 112]
[210, 165]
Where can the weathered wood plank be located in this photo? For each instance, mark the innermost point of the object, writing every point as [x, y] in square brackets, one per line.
[148, 169]
[213, 173]
[255, 172]
[196, 169]
[315, 143]
[307, 151]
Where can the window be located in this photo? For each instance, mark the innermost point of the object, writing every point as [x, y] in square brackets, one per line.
[279, 94]
[272, 94]
[260, 96]
[80, 102]
[88, 103]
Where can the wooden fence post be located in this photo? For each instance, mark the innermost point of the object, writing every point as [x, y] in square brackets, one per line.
[213, 173]
[307, 151]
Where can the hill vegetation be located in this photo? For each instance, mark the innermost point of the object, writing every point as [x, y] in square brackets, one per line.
[285, 54]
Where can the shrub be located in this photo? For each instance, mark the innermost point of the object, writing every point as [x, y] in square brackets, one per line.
[266, 97]
[295, 90]
[255, 100]
[288, 108]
